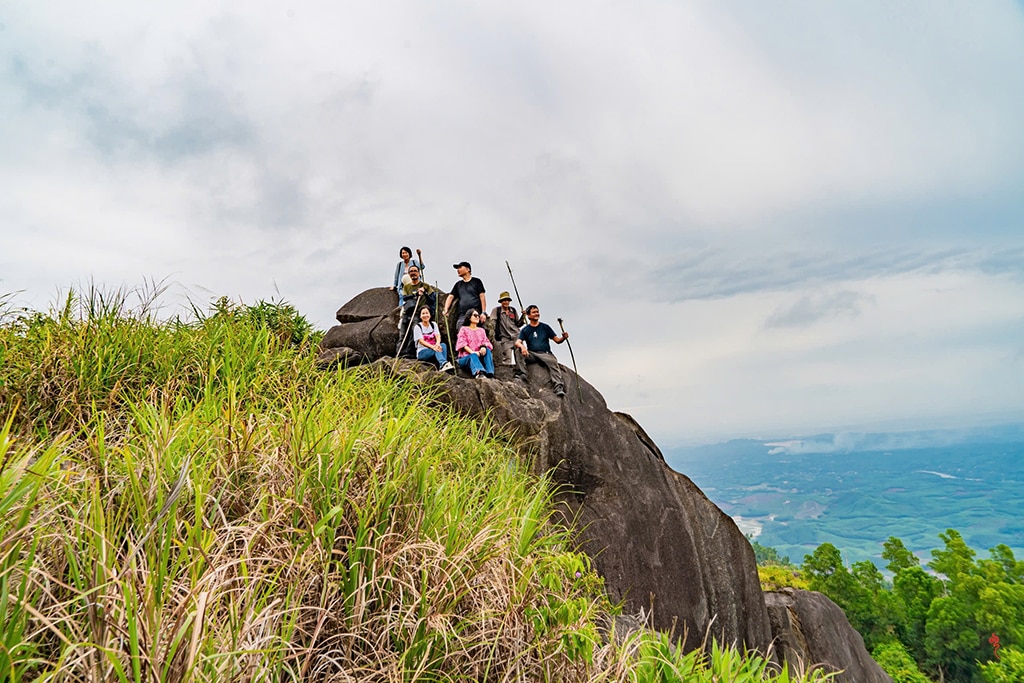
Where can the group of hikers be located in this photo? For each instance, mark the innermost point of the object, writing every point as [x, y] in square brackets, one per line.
[511, 337]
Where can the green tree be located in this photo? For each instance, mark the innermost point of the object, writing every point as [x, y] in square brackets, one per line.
[1009, 668]
[827, 574]
[859, 591]
[952, 640]
[898, 663]
[914, 589]
[766, 555]
[899, 557]
[875, 613]
[1012, 568]
[943, 620]
[955, 559]
[979, 598]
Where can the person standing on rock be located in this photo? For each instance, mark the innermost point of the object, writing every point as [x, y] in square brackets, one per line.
[474, 347]
[412, 293]
[429, 347]
[468, 293]
[504, 329]
[402, 269]
[534, 347]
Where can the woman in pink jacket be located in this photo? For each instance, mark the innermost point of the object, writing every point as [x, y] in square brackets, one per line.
[474, 348]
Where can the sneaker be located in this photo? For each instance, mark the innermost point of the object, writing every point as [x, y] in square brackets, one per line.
[447, 367]
[559, 391]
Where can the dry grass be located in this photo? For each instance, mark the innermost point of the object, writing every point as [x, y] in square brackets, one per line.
[192, 501]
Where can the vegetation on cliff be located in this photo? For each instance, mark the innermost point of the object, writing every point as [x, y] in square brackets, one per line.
[774, 570]
[192, 500]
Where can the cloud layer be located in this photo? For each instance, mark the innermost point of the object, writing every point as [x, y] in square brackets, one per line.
[758, 220]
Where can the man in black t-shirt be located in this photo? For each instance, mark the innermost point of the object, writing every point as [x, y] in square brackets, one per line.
[469, 292]
[534, 347]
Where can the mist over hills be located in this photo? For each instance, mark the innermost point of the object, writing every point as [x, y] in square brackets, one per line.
[854, 490]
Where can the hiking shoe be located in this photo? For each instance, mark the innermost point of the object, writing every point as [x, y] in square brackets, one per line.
[559, 391]
[447, 367]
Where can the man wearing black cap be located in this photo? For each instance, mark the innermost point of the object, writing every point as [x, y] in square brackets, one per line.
[503, 329]
[469, 291]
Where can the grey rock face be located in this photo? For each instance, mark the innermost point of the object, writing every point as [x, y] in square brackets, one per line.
[373, 304]
[660, 544]
[811, 629]
[369, 325]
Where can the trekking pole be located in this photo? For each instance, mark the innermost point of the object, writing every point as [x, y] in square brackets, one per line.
[408, 327]
[516, 289]
[579, 392]
[451, 343]
[447, 327]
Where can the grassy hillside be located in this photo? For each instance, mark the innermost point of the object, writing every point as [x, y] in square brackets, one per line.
[193, 500]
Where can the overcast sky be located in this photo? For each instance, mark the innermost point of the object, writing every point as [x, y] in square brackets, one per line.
[757, 219]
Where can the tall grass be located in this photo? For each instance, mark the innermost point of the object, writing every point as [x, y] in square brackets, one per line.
[193, 501]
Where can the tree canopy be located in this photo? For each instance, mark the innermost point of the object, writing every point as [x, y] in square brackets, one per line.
[945, 616]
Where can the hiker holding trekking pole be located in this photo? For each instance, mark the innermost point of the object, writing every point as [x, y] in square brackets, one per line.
[534, 347]
[402, 276]
[412, 294]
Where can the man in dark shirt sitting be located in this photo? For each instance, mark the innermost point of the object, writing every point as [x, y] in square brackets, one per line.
[470, 293]
[534, 347]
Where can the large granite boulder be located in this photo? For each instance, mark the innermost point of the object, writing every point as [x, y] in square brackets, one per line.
[660, 544]
[368, 329]
[812, 630]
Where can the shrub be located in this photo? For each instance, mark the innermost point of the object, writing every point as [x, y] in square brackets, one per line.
[898, 663]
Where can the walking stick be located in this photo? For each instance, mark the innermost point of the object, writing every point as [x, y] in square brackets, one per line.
[401, 347]
[447, 327]
[516, 289]
[579, 392]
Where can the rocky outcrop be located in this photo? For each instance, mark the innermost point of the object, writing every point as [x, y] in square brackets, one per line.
[660, 544]
[812, 630]
[369, 326]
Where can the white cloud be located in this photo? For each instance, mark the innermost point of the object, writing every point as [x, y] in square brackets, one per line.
[813, 185]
